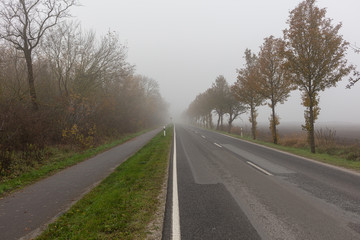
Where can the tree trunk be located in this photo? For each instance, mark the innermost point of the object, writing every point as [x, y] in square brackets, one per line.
[222, 125]
[275, 137]
[311, 128]
[218, 123]
[230, 123]
[253, 124]
[28, 58]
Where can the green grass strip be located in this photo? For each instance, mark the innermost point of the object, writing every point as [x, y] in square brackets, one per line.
[321, 157]
[58, 161]
[124, 203]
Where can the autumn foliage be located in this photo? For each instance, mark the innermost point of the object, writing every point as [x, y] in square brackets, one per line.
[86, 92]
[310, 57]
[316, 57]
[245, 88]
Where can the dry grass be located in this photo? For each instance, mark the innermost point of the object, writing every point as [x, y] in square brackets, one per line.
[297, 140]
[327, 141]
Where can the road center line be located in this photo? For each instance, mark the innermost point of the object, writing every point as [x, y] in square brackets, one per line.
[259, 168]
[175, 235]
[218, 145]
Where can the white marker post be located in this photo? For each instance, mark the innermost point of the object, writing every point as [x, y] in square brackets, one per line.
[164, 132]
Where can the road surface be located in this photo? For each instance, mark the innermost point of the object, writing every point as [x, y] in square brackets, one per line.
[24, 213]
[232, 189]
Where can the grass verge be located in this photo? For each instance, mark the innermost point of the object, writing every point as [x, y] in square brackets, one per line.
[124, 203]
[58, 160]
[304, 152]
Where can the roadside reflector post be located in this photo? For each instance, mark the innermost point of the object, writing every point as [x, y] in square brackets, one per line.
[164, 132]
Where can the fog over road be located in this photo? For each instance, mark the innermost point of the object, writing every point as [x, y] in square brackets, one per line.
[232, 189]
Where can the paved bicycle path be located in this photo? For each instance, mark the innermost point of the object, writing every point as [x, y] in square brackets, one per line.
[26, 212]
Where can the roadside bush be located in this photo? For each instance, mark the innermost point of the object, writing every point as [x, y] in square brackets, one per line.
[80, 137]
[351, 153]
[353, 156]
[325, 138]
[5, 161]
[31, 154]
[24, 132]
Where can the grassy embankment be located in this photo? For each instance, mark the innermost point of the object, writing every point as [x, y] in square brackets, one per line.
[56, 160]
[337, 155]
[122, 206]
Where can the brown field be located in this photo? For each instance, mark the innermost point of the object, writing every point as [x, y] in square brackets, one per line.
[345, 133]
[340, 139]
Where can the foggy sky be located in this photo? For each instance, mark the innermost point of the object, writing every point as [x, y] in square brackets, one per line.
[185, 45]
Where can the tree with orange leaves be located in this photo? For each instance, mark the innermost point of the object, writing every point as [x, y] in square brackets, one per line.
[274, 82]
[315, 53]
[245, 89]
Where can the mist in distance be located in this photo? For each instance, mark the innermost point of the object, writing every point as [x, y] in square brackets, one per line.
[185, 45]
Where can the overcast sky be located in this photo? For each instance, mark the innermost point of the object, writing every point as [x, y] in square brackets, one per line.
[185, 44]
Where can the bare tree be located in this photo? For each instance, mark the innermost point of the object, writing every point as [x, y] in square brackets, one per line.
[101, 64]
[62, 45]
[12, 73]
[24, 22]
[150, 86]
[81, 63]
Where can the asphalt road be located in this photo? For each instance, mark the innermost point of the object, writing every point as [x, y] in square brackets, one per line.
[232, 189]
[26, 212]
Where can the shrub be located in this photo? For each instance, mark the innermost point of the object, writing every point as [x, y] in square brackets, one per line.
[325, 138]
[31, 154]
[353, 156]
[81, 137]
[5, 161]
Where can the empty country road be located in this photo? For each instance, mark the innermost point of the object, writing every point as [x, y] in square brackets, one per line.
[24, 213]
[233, 189]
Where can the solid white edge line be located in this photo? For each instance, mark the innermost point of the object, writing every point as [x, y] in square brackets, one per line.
[218, 145]
[175, 235]
[259, 168]
[349, 171]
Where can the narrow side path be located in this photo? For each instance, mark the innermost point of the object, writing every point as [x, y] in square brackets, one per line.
[27, 211]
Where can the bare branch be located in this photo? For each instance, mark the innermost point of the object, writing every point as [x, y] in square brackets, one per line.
[354, 79]
[24, 22]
